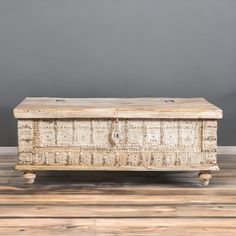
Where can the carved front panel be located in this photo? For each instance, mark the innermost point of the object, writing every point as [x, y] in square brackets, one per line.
[116, 143]
[171, 135]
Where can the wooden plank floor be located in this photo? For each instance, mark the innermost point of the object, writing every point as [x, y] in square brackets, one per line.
[118, 203]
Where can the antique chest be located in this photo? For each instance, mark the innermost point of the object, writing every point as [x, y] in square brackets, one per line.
[156, 134]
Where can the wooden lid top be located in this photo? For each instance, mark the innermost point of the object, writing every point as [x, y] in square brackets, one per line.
[173, 108]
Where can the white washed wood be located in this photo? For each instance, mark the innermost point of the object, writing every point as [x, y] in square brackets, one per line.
[173, 108]
[140, 144]
[133, 143]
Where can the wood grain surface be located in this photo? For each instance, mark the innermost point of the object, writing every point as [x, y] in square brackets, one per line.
[124, 144]
[118, 203]
[176, 108]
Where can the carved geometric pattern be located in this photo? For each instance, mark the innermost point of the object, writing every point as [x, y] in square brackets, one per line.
[116, 143]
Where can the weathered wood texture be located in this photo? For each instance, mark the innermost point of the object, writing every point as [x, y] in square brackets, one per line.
[134, 134]
[118, 203]
[161, 108]
[72, 144]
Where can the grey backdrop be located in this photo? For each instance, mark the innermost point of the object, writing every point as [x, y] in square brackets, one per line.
[118, 48]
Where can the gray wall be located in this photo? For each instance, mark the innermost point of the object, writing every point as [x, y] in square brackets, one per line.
[118, 48]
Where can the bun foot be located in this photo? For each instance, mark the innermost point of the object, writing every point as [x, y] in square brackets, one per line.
[29, 177]
[204, 177]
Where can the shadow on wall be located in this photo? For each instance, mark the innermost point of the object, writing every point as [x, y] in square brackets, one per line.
[227, 127]
[8, 127]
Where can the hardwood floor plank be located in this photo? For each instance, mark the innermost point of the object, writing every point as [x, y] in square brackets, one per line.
[138, 189]
[111, 211]
[160, 227]
[122, 226]
[124, 231]
[101, 199]
[47, 227]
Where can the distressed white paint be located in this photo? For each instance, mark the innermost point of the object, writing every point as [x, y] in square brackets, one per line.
[117, 134]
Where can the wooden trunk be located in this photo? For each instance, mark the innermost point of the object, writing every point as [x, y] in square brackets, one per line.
[117, 134]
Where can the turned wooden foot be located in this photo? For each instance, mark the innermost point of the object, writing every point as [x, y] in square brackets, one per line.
[204, 177]
[29, 177]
